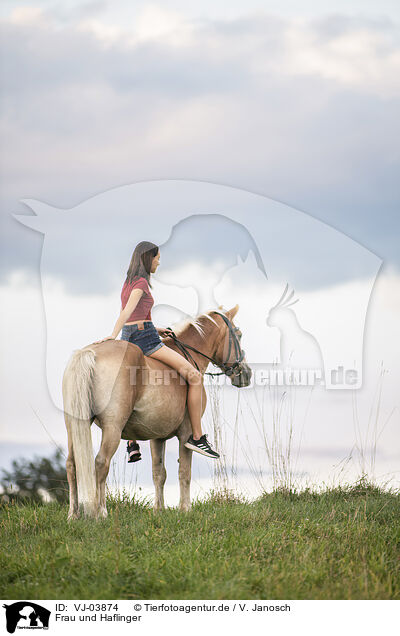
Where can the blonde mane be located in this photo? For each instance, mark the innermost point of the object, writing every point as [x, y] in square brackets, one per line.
[179, 327]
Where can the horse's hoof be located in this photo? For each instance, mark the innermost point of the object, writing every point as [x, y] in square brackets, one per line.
[157, 509]
[103, 514]
[185, 508]
[72, 516]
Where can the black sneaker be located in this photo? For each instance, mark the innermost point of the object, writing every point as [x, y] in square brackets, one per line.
[201, 446]
[133, 451]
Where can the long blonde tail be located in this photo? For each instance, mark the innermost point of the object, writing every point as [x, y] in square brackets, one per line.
[77, 395]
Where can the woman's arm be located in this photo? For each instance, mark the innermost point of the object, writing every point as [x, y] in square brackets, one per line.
[130, 306]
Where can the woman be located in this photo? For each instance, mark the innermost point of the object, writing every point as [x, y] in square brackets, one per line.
[137, 327]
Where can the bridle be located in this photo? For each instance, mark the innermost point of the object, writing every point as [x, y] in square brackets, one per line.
[227, 369]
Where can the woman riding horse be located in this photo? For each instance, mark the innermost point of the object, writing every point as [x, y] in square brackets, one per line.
[138, 328]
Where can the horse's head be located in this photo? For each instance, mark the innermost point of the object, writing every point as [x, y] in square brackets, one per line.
[228, 352]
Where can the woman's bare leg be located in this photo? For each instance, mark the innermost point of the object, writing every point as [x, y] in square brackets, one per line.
[194, 380]
[194, 403]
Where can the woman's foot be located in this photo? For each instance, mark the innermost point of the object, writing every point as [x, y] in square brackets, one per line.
[133, 451]
[201, 446]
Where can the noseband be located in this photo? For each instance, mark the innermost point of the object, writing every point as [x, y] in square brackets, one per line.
[227, 369]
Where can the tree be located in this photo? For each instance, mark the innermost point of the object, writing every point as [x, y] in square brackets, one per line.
[32, 480]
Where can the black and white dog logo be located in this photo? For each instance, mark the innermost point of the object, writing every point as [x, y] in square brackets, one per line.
[26, 615]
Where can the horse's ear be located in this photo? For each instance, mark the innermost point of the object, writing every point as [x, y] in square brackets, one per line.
[220, 307]
[231, 313]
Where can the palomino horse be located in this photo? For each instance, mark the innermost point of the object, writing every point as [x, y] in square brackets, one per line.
[133, 396]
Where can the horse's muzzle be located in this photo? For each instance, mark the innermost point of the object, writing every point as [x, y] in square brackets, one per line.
[242, 376]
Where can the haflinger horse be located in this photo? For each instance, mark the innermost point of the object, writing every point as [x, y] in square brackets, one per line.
[133, 396]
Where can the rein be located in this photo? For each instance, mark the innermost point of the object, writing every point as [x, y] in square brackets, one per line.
[227, 369]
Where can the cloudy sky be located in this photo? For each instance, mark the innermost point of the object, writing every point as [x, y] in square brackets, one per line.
[293, 101]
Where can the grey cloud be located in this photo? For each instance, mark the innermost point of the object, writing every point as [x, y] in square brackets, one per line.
[217, 58]
[69, 13]
[38, 59]
[79, 118]
[334, 25]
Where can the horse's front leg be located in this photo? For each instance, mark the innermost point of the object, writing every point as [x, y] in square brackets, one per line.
[157, 447]
[185, 474]
[111, 437]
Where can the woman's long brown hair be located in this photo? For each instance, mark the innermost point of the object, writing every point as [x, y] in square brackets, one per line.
[142, 258]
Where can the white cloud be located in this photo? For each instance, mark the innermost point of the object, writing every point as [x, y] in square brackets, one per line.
[106, 33]
[28, 15]
[152, 23]
[364, 57]
[363, 54]
[360, 58]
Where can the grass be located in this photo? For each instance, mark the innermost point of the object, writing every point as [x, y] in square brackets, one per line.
[341, 543]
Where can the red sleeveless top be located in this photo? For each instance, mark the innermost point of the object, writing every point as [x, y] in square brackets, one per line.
[142, 310]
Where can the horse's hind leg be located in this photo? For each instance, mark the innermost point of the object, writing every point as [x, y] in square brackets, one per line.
[111, 437]
[157, 447]
[185, 474]
[73, 512]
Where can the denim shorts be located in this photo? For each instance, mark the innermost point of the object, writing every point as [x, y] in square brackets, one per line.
[147, 338]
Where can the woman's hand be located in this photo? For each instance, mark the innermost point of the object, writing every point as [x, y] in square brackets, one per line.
[163, 331]
[107, 338]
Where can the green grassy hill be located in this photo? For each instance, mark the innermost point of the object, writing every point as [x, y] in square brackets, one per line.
[338, 544]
